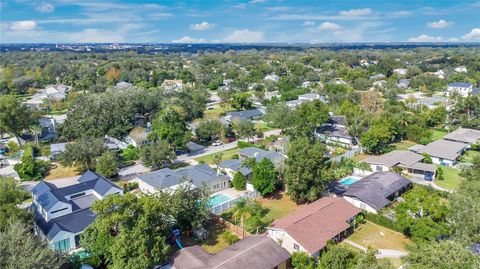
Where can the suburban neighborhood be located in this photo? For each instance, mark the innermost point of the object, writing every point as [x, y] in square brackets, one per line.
[239, 153]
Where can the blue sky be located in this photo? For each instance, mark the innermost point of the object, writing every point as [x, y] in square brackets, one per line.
[238, 21]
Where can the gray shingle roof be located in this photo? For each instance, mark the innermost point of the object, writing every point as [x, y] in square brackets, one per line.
[464, 135]
[442, 148]
[245, 114]
[162, 178]
[74, 222]
[396, 157]
[236, 165]
[256, 251]
[460, 84]
[375, 189]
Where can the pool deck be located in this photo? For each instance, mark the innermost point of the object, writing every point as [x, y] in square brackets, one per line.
[230, 192]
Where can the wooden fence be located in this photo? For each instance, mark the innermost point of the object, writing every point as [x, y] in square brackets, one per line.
[239, 231]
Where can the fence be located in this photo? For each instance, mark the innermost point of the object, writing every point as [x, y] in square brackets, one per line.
[348, 154]
[231, 203]
[240, 232]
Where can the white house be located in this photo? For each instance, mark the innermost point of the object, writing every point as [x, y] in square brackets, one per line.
[461, 69]
[63, 213]
[400, 71]
[462, 88]
[172, 85]
[309, 228]
[272, 77]
[443, 152]
[168, 179]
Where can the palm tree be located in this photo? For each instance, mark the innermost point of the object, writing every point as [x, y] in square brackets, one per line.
[241, 209]
[36, 130]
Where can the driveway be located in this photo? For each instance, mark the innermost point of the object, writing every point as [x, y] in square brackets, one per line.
[432, 184]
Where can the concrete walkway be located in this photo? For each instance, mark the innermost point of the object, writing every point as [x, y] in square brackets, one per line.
[382, 253]
[432, 184]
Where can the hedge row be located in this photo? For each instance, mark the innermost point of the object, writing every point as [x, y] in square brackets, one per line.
[383, 221]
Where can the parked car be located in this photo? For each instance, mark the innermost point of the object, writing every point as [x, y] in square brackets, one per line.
[217, 143]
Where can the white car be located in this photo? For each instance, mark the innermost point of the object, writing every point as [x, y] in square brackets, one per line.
[217, 143]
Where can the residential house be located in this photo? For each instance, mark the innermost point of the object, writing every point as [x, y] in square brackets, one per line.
[335, 131]
[462, 88]
[168, 179]
[310, 227]
[63, 213]
[232, 166]
[111, 143]
[376, 191]
[272, 77]
[400, 71]
[403, 83]
[251, 252]
[464, 135]
[443, 152]
[307, 97]
[56, 150]
[252, 114]
[272, 94]
[461, 69]
[377, 76]
[172, 85]
[408, 161]
[122, 85]
[49, 125]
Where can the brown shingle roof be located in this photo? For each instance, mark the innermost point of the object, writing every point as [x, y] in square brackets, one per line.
[313, 225]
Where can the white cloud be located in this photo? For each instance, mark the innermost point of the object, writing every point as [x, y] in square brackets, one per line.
[244, 36]
[45, 8]
[309, 23]
[439, 24]
[329, 26]
[356, 12]
[425, 38]
[202, 26]
[257, 1]
[187, 39]
[473, 35]
[23, 25]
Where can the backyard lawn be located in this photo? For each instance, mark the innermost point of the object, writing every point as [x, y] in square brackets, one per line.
[227, 154]
[468, 156]
[378, 237]
[438, 134]
[61, 171]
[217, 110]
[279, 205]
[452, 178]
[404, 145]
[215, 241]
[263, 126]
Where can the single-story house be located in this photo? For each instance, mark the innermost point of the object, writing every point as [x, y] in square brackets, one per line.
[63, 213]
[443, 152]
[464, 135]
[410, 162]
[400, 71]
[309, 228]
[232, 166]
[111, 143]
[335, 131]
[251, 252]
[376, 191]
[307, 97]
[462, 88]
[252, 114]
[168, 179]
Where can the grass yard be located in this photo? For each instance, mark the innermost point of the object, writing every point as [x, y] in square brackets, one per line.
[360, 156]
[263, 127]
[468, 156]
[214, 242]
[404, 145]
[378, 237]
[438, 133]
[279, 205]
[452, 178]
[61, 171]
[227, 154]
[217, 111]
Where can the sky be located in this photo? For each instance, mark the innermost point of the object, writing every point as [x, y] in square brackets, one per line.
[247, 21]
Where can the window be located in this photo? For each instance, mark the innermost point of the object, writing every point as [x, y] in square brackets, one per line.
[62, 245]
[77, 195]
[56, 211]
[296, 246]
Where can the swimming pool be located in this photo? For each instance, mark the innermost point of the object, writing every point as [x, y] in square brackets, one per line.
[218, 199]
[349, 180]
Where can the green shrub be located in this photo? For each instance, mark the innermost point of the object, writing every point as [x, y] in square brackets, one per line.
[229, 237]
[130, 186]
[235, 157]
[302, 259]
[440, 174]
[383, 221]
[239, 181]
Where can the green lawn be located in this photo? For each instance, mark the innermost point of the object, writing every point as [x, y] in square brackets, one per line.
[218, 110]
[403, 145]
[214, 242]
[378, 237]
[227, 154]
[263, 127]
[468, 156]
[452, 178]
[438, 134]
[279, 205]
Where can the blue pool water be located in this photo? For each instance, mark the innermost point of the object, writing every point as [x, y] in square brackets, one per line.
[349, 180]
[218, 199]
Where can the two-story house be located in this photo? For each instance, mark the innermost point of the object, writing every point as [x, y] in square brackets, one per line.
[63, 213]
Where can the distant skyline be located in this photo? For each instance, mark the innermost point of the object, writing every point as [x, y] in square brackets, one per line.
[254, 21]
